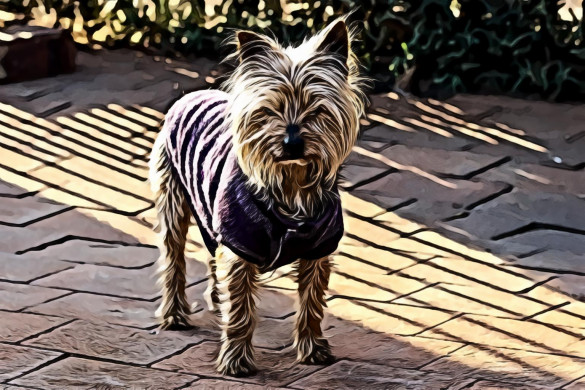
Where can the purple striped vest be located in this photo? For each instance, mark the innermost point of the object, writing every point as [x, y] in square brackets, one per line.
[199, 145]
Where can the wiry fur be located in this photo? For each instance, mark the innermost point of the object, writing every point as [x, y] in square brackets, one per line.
[173, 223]
[317, 87]
[237, 285]
[305, 85]
[313, 278]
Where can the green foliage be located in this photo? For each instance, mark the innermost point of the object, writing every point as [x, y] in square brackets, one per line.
[519, 47]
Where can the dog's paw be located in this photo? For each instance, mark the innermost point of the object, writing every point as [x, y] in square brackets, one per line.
[315, 352]
[173, 323]
[238, 367]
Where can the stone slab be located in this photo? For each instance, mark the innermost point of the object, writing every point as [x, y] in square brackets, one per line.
[128, 283]
[15, 327]
[17, 359]
[66, 374]
[100, 308]
[352, 375]
[115, 342]
[15, 297]
[277, 368]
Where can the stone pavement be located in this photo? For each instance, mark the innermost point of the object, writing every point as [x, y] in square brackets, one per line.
[462, 266]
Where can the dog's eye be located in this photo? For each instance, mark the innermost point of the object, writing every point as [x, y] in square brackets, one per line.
[316, 112]
[269, 112]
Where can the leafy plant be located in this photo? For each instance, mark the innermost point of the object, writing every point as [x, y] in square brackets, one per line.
[518, 47]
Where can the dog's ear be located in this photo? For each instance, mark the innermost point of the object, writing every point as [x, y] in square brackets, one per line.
[251, 44]
[335, 39]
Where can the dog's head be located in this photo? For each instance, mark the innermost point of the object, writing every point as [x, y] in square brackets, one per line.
[295, 113]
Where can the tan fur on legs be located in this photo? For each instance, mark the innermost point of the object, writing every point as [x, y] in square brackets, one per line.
[313, 278]
[237, 284]
[211, 295]
[173, 222]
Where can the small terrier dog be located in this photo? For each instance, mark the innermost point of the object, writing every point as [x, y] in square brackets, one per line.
[257, 165]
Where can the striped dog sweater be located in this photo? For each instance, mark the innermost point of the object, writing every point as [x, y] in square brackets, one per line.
[199, 146]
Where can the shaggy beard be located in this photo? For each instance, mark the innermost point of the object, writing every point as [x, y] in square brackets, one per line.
[297, 190]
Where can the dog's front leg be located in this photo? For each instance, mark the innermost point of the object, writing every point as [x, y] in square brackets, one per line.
[237, 284]
[313, 278]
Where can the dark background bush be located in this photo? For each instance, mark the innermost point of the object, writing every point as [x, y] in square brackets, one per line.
[433, 47]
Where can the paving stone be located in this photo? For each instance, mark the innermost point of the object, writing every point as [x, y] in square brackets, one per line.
[115, 255]
[545, 121]
[18, 296]
[427, 275]
[373, 233]
[394, 221]
[115, 342]
[489, 274]
[517, 208]
[491, 385]
[359, 206]
[455, 164]
[24, 163]
[546, 249]
[454, 248]
[23, 211]
[381, 199]
[224, 385]
[417, 250]
[128, 283]
[271, 303]
[275, 367]
[99, 308]
[537, 177]
[141, 230]
[354, 342]
[435, 201]
[8, 189]
[352, 375]
[350, 249]
[548, 295]
[276, 304]
[513, 366]
[274, 333]
[475, 300]
[387, 318]
[571, 315]
[66, 374]
[17, 326]
[49, 104]
[420, 137]
[578, 384]
[70, 223]
[25, 268]
[371, 285]
[508, 333]
[16, 360]
[76, 199]
[571, 285]
[101, 194]
[353, 176]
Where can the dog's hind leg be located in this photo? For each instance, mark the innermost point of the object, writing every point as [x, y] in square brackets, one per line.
[173, 223]
[237, 284]
[313, 278]
[211, 295]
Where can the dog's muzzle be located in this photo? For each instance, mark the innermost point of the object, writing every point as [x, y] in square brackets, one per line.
[293, 144]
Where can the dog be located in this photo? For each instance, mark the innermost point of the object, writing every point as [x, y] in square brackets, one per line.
[256, 164]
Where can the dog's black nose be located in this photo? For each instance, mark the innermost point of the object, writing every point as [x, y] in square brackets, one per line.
[293, 144]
